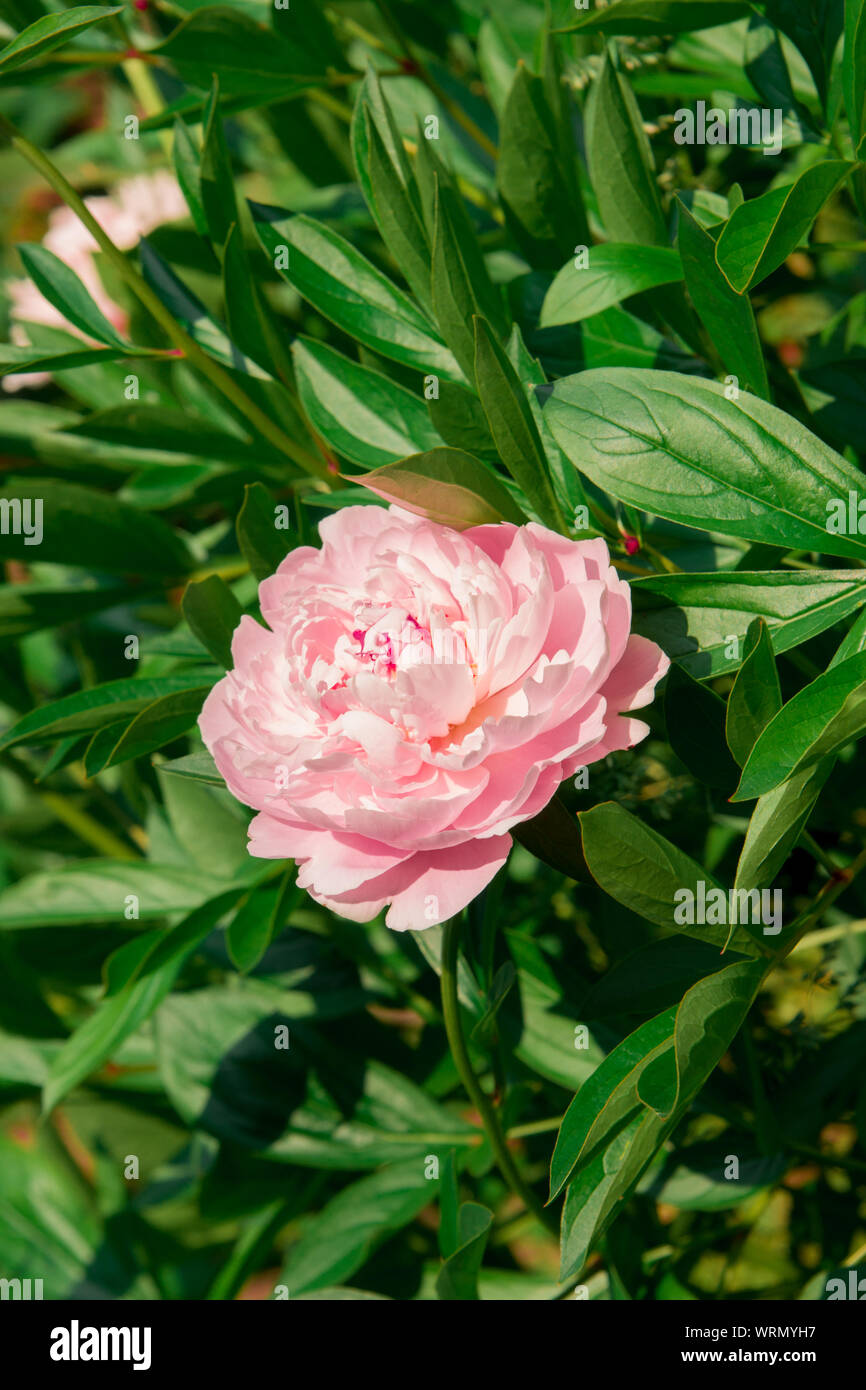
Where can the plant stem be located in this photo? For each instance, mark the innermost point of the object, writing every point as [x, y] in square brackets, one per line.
[842, 879]
[163, 316]
[479, 1097]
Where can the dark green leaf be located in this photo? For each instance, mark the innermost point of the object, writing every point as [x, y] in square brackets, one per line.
[679, 448]
[645, 872]
[360, 413]
[695, 720]
[761, 233]
[157, 724]
[62, 288]
[658, 16]
[216, 184]
[50, 32]
[542, 205]
[92, 529]
[620, 163]
[87, 710]
[513, 426]
[213, 614]
[819, 719]
[726, 315]
[461, 284]
[700, 620]
[259, 541]
[458, 1277]
[755, 697]
[345, 287]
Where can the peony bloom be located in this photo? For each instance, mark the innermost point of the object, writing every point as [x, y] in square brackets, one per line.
[134, 209]
[417, 693]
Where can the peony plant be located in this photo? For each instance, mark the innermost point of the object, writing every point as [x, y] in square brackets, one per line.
[433, 627]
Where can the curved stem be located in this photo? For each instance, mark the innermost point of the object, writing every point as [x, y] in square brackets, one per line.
[479, 1097]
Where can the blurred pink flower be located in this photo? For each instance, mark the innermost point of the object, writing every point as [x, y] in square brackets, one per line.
[417, 693]
[134, 208]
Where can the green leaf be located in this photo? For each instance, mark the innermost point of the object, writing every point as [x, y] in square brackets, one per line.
[652, 978]
[259, 919]
[216, 183]
[62, 288]
[191, 313]
[697, 1181]
[537, 1022]
[87, 710]
[658, 16]
[97, 891]
[608, 1097]
[157, 724]
[776, 824]
[819, 720]
[727, 316]
[445, 485]
[853, 68]
[695, 721]
[347, 289]
[26, 359]
[158, 958]
[249, 57]
[461, 285]
[32, 608]
[259, 541]
[766, 68]
[677, 447]
[613, 272]
[372, 111]
[513, 426]
[48, 1221]
[305, 1103]
[542, 205]
[459, 417]
[50, 32]
[614, 1133]
[620, 163]
[249, 318]
[694, 617]
[199, 767]
[187, 162]
[91, 529]
[398, 215]
[208, 826]
[458, 1277]
[761, 233]
[213, 614]
[644, 872]
[755, 696]
[341, 1237]
[360, 413]
[553, 837]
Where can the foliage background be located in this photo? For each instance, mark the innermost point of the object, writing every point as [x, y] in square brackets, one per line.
[153, 1037]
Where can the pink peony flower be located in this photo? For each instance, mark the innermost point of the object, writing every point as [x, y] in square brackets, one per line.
[417, 693]
[134, 209]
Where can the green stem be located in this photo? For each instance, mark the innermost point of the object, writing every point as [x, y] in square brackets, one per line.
[820, 855]
[163, 316]
[479, 1097]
